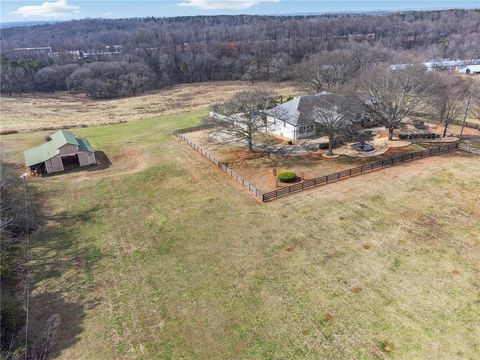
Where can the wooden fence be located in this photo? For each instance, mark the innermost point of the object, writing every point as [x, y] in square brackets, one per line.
[467, 124]
[193, 128]
[246, 184]
[323, 180]
[380, 164]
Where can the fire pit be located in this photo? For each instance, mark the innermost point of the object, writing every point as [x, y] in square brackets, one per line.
[363, 147]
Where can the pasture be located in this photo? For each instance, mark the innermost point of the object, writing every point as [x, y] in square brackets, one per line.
[161, 256]
[34, 112]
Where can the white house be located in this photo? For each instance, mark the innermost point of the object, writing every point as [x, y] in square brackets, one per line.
[470, 70]
[294, 119]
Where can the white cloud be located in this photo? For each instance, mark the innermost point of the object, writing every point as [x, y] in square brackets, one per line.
[54, 9]
[225, 4]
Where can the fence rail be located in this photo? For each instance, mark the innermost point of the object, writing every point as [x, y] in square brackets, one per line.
[245, 183]
[380, 164]
[467, 124]
[193, 128]
[311, 183]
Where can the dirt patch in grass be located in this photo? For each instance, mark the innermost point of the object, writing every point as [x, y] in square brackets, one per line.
[357, 290]
[327, 316]
[387, 345]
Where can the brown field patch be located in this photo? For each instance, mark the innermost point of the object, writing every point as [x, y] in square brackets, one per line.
[47, 111]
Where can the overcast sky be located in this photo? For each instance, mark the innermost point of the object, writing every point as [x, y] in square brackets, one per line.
[24, 10]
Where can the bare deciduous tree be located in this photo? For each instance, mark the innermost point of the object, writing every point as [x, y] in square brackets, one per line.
[393, 96]
[327, 72]
[448, 95]
[475, 99]
[13, 79]
[252, 74]
[333, 117]
[243, 115]
[280, 67]
[45, 79]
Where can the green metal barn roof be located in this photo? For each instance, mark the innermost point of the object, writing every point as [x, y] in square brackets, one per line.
[84, 145]
[49, 149]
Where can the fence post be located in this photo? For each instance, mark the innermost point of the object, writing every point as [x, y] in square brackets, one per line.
[363, 168]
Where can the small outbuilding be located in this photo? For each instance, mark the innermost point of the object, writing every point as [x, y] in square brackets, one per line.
[62, 151]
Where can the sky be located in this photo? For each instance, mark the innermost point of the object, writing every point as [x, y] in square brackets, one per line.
[34, 10]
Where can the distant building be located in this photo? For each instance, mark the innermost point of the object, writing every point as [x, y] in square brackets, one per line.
[63, 151]
[439, 65]
[470, 70]
[78, 54]
[44, 50]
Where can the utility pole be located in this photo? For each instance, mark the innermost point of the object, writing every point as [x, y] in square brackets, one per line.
[27, 265]
[465, 116]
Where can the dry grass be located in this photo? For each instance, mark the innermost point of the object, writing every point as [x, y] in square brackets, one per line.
[175, 261]
[63, 109]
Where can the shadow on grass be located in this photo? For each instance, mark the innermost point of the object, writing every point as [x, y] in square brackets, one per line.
[61, 280]
[55, 323]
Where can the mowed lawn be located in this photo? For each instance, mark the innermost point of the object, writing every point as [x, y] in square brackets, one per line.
[173, 260]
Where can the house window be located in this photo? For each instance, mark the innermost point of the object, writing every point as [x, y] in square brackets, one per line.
[301, 129]
[284, 124]
[309, 128]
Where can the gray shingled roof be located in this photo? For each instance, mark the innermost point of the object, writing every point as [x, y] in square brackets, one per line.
[299, 110]
[295, 112]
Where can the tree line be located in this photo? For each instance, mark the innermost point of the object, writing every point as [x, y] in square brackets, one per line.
[157, 52]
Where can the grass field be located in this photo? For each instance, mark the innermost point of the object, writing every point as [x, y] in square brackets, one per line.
[472, 120]
[161, 256]
[62, 109]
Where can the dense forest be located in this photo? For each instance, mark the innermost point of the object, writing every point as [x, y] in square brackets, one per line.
[109, 58]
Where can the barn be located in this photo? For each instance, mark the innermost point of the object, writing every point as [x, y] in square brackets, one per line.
[62, 151]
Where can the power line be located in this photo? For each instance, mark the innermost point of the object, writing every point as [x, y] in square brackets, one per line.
[27, 265]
